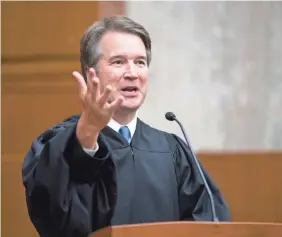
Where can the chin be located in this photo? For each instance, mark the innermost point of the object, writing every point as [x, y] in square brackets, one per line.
[131, 105]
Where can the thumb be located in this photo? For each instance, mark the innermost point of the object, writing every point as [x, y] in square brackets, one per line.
[82, 87]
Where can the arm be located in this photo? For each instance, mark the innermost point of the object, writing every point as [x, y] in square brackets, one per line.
[51, 168]
[56, 163]
[193, 197]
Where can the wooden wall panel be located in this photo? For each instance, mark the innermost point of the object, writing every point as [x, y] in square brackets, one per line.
[251, 183]
[45, 28]
[15, 220]
[33, 29]
[33, 100]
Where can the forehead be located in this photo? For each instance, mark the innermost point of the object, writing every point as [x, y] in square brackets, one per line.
[119, 43]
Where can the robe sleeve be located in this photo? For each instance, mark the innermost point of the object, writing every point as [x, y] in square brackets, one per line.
[194, 202]
[53, 165]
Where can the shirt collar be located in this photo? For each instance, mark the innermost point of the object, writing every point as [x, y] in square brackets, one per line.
[116, 126]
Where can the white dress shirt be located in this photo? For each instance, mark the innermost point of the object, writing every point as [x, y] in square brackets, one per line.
[115, 126]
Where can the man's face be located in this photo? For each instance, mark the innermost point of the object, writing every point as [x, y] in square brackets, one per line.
[124, 65]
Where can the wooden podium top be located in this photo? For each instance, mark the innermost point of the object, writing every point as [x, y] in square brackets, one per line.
[193, 229]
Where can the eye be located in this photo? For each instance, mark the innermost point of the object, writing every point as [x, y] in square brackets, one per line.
[141, 62]
[118, 62]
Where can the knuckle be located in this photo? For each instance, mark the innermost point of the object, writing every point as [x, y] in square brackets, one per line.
[94, 81]
[108, 88]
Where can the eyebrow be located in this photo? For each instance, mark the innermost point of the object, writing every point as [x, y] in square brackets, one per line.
[123, 56]
[142, 57]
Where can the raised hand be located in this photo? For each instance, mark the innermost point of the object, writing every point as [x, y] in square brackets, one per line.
[97, 108]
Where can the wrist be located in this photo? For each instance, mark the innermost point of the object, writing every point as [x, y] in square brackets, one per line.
[87, 135]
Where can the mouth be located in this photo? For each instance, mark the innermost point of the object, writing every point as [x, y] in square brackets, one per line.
[129, 91]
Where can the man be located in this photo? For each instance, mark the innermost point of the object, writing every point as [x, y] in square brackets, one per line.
[105, 166]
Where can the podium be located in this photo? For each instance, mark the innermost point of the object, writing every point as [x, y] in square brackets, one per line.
[193, 229]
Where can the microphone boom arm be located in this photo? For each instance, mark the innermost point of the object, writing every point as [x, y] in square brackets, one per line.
[215, 218]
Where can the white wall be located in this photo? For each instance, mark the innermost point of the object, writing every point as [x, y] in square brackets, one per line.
[218, 66]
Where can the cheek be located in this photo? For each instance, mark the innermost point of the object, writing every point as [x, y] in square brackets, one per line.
[144, 78]
[109, 77]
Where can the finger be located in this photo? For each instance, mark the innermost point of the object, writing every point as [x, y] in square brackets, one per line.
[115, 104]
[105, 96]
[90, 75]
[95, 88]
[93, 83]
[82, 88]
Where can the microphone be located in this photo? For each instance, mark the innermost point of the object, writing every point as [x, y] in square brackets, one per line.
[171, 117]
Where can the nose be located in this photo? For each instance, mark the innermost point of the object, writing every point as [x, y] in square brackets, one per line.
[130, 73]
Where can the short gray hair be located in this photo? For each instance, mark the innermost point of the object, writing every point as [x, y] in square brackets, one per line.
[89, 45]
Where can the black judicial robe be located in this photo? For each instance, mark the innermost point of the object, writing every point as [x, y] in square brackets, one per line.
[154, 179]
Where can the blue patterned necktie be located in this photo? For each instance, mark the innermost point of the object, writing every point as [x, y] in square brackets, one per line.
[124, 131]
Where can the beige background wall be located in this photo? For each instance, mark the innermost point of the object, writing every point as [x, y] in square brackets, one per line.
[217, 65]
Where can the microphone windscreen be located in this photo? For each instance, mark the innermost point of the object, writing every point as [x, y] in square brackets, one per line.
[170, 116]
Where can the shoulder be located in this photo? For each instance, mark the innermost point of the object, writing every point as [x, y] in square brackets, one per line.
[157, 131]
[61, 126]
[148, 128]
[71, 120]
[170, 139]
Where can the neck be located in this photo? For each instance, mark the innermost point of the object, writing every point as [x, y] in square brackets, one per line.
[124, 118]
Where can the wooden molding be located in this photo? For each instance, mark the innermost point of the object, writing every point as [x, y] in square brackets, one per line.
[39, 77]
